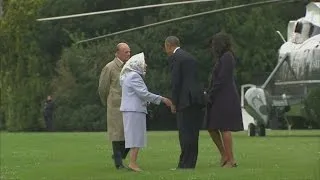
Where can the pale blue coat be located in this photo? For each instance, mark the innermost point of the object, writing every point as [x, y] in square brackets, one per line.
[135, 94]
[134, 101]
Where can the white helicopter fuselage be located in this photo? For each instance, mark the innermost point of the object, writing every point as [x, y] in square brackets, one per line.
[302, 47]
[298, 61]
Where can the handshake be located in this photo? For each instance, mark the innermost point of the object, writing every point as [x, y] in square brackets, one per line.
[169, 103]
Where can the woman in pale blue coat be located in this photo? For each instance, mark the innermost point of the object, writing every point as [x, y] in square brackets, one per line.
[134, 100]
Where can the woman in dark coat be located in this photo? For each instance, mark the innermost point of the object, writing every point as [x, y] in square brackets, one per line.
[223, 108]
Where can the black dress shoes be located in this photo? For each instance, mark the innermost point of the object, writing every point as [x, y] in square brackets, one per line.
[120, 167]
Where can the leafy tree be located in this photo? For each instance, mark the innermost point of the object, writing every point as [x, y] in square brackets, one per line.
[22, 65]
[312, 106]
[38, 58]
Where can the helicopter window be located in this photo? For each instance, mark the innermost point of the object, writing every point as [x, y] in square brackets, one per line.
[315, 31]
[298, 28]
[311, 30]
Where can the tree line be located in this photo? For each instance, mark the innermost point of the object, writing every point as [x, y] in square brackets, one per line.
[41, 58]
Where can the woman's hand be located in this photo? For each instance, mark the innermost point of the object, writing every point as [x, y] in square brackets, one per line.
[173, 109]
[167, 101]
[208, 97]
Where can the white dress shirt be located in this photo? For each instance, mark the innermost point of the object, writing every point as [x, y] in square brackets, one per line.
[120, 61]
[175, 49]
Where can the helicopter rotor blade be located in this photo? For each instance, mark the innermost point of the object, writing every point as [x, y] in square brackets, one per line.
[124, 9]
[191, 16]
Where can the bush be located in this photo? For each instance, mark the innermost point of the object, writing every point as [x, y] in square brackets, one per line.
[312, 106]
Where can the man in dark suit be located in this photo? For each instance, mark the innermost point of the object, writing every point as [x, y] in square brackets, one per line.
[48, 113]
[187, 99]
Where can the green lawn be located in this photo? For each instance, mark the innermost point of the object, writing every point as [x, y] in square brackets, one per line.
[282, 155]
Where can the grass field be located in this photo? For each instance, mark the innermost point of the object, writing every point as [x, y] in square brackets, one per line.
[282, 155]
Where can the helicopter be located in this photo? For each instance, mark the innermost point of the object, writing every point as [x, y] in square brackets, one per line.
[298, 69]
[298, 61]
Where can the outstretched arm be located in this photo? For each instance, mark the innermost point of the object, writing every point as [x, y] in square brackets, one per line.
[141, 90]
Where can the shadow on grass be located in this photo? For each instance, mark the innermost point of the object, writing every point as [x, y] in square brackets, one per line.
[294, 135]
[282, 136]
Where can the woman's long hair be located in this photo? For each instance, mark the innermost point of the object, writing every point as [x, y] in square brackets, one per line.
[220, 44]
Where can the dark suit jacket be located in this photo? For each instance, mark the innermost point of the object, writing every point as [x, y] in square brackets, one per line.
[48, 108]
[186, 88]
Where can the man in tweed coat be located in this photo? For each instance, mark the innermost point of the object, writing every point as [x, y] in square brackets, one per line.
[110, 95]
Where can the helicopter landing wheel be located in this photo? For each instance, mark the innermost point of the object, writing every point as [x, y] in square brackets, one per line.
[251, 130]
[261, 130]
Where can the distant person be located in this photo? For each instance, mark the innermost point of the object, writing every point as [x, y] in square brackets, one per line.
[187, 99]
[48, 113]
[110, 94]
[223, 108]
[135, 97]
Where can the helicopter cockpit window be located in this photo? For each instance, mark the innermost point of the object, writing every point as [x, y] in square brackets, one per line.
[298, 28]
[311, 30]
[304, 30]
[315, 31]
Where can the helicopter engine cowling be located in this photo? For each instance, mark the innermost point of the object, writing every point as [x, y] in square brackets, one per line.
[257, 105]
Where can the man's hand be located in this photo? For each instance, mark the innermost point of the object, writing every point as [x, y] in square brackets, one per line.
[169, 103]
[173, 109]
